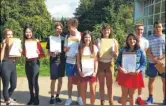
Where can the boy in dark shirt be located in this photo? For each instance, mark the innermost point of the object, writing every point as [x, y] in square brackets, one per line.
[57, 61]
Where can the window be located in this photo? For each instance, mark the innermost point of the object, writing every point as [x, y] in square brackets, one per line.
[146, 3]
[163, 6]
[156, 17]
[150, 1]
[151, 10]
[157, 7]
[146, 11]
[145, 30]
[157, 1]
[163, 17]
[145, 21]
[150, 20]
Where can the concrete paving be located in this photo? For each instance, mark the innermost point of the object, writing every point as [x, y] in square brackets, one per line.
[22, 93]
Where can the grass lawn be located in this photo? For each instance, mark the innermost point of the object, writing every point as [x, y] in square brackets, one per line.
[44, 64]
[44, 70]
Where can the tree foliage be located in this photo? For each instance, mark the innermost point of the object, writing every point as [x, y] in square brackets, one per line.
[118, 13]
[15, 14]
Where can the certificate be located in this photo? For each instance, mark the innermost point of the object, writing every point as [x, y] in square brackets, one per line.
[14, 47]
[161, 67]
[55, 44]
[129, 61]
[87, 66]
[73, 44]
[31, 49]
[106, 47]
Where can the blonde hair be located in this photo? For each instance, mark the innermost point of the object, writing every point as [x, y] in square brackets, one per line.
[5, 32]
[137, 25]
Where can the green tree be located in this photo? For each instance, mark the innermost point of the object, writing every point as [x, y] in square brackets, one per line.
[117, 13]
[15, 14]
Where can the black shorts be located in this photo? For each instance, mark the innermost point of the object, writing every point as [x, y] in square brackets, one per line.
[56, 70]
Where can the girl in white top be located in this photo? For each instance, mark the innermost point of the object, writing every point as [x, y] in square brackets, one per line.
[87, 66]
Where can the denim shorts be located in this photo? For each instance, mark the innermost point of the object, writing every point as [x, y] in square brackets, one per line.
[152, 71]
[71, 69]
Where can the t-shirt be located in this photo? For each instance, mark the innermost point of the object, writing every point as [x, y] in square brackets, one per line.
[88, 63]
[60, 57]
[87, 51]
[72, 60]
[144, 43]
[157, 45]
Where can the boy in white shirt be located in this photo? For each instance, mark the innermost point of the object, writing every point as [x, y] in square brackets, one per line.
[144, 45]
[71, 49]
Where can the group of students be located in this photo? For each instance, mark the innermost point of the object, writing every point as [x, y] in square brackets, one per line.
[62, 63]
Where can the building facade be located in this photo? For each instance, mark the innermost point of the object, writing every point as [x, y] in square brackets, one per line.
[149, 11]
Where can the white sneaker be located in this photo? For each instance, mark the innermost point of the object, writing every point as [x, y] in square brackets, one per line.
[68, 101]
[12, 100]
[79, 100]
[10, 104]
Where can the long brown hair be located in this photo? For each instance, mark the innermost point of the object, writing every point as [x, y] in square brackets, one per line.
[82, 43]
[104, 27]
[137, 46]
[24, 36]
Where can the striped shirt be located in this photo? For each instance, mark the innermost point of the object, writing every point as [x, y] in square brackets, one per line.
[157, 45]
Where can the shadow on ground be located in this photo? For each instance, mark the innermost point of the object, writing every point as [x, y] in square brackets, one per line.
[22, 97]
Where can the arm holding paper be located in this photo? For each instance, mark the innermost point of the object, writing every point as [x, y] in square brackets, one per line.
[115, 51]
[119, 62]
[33, 49]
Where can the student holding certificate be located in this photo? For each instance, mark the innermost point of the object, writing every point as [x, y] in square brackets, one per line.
[106, 62]
[32, 51]
[144, 44]
[87, 66]
[156, 54]
[8, 67]
[71, 48]
[55, 47]
[130, 69]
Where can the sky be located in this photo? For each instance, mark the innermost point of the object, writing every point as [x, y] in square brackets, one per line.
[62, 8]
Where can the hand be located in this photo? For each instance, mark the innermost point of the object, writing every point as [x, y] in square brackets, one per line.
[160, 62]
[20, 50]
[66, 49]
[81, 74]
[4, 43]
[38, 52]
[94, 74]
[122, 70]
[132, 73]
[137, 71]
[52, 54]
[114, 54]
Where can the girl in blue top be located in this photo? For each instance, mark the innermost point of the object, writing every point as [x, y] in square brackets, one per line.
[130, 81]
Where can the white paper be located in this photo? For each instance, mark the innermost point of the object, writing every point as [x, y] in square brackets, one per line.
[31, 50]
[15, 48]
[73, 45]
[87, 67]
[55, 44]
[129, 62]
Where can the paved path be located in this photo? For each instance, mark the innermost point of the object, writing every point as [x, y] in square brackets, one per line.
[22, 94]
